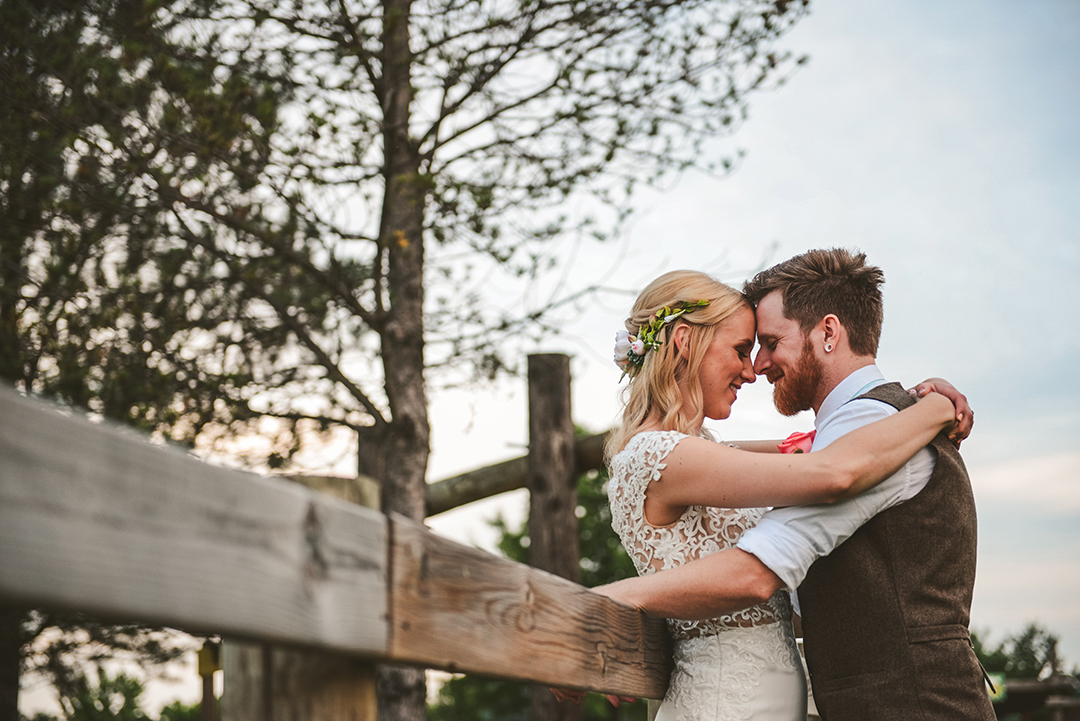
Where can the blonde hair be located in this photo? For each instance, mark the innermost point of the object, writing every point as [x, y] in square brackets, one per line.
[654, 390]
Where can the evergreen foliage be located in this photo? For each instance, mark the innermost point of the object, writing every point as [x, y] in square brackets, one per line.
[111, 698]
[58, 649]
[180, 711]
[1028, 654]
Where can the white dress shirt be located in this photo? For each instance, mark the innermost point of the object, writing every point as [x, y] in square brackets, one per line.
[788, 540]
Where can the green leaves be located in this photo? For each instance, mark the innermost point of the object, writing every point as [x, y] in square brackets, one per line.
[1027, 654]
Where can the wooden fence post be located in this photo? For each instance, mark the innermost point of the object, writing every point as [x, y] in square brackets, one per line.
[209, 662]
[11, 621]
[552, 484]
[265, 682]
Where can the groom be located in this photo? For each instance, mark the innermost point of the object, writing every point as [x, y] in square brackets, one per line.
[884, 579]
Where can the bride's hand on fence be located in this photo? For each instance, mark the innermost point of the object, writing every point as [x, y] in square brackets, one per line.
[567, 694]
[616, 700]
[965, 417]
[618, 591]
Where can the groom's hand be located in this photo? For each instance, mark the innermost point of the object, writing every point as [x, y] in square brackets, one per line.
[965, 417]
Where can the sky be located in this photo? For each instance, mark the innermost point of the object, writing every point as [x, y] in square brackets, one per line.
[942, 140]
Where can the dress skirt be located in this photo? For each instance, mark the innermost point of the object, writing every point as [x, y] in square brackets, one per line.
[738, 674]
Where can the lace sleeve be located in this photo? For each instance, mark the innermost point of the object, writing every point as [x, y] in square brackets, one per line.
[632, 470]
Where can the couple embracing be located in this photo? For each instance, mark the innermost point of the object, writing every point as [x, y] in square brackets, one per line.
[875, 528]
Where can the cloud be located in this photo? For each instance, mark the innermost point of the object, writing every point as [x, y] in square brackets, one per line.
[1050, 482]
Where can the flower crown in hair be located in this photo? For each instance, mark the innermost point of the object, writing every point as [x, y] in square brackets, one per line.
[630, 350]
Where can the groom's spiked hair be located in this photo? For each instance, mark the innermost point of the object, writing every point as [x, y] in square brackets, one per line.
[820, 282]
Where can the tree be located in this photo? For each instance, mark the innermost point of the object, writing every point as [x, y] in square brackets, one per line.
[59, 649]
[603, 560]
[223, 217]
[1032, 653]
[1026, 656]
[112, 698]
[180, 711]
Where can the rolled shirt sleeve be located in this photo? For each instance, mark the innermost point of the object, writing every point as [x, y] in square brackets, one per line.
[789, 540]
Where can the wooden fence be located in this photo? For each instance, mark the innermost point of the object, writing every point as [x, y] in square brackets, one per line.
[96, 519]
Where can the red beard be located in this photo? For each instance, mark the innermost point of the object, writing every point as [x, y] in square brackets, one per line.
[795, 391]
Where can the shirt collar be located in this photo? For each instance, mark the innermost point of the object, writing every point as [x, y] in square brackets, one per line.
[861, 380]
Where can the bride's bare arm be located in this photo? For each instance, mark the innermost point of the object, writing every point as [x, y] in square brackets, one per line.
[756, 446]
[700, 472]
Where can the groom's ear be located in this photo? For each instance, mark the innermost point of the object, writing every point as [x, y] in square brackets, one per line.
[831, 330]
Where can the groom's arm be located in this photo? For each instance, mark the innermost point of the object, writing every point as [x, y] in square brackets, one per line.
[719, 584]
[789, 540]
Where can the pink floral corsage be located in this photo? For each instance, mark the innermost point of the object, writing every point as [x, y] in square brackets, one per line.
[797, 443]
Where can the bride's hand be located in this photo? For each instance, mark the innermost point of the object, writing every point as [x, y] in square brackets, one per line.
[965, 417]
[618, 591]
[569, 694]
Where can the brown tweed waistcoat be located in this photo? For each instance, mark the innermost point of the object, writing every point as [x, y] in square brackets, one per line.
[885, 615]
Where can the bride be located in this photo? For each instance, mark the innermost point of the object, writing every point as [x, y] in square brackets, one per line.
[677, 495]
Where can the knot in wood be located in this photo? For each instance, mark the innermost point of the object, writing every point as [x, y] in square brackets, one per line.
[316, 566]
[525, 619]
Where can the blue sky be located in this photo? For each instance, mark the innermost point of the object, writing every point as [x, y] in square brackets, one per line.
[942, 139]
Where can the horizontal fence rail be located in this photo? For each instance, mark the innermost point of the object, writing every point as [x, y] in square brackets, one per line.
[510, 475]
[96, 519]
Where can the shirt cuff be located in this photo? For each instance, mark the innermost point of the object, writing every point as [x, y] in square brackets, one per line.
[772, 544]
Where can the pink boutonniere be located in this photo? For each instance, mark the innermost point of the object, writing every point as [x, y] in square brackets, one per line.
[797, 443]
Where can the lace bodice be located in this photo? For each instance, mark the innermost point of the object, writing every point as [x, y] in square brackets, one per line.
[700, 531]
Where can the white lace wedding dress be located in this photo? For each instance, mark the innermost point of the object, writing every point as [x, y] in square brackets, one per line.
[743, 666]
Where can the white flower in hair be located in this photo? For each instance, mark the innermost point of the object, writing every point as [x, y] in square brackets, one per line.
[630, 350]
[622, 348]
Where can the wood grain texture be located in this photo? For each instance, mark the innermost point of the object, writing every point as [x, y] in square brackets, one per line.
[96, 519]
[461, 609]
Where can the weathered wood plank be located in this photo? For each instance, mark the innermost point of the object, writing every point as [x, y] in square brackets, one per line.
[98, 520]
[462, 609]
[449, 493]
